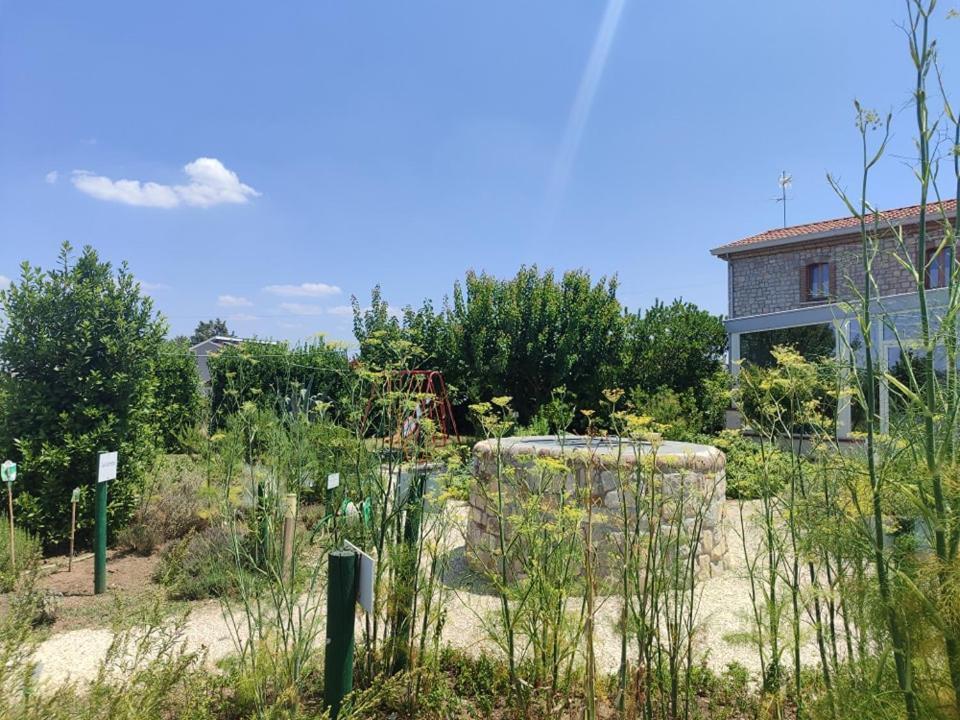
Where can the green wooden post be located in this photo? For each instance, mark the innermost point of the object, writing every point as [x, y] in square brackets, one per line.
[106, 471]
[100, 541]
[341, 605]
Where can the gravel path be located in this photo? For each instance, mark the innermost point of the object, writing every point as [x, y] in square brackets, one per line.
[724, 611]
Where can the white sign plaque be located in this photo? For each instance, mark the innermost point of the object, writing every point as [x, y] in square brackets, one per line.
[9, 471]
[333, 481]
[107, 469]
[368, 568]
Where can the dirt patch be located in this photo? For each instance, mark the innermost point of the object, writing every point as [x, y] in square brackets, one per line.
[130, 585]
[125, 572]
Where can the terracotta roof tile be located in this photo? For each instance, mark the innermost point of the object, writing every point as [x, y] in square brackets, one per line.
[834, 226]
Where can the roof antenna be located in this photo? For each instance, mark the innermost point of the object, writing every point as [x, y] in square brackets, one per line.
[784, 182]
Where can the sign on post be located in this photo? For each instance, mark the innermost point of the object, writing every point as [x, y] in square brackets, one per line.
[333, 481]
[74, 499]
[107, 469]
[9, 472]
[368, 568]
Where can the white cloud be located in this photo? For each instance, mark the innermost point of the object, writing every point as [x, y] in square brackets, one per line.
[301, 309]
[152, 286]
[341, 310]
[243, 317]
[210, 184]
[233, 301]
[303, 290]
[4, 282]
[52, 177]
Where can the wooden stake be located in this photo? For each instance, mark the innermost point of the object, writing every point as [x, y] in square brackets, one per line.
[289, 528]
[13, 552]
[73, 532]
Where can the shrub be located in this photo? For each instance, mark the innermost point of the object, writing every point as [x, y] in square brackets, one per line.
[79, 347]
[676, 413]
[746, 479]
[26, 548]
[178, 399]
[173, 509]
[276, 377]
[201, 565]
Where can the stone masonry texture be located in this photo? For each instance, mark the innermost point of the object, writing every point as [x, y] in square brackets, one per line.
[770, 280]
[689, 479]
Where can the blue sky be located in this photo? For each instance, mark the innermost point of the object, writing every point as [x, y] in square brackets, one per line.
[302, 152]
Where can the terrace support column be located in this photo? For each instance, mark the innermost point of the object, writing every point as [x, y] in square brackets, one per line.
[844, 356]
[734, 354]
[733, 419]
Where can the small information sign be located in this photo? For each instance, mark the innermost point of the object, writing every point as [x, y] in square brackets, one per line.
[368, 568]
[333, 481]
[107, 469]
[9, 471]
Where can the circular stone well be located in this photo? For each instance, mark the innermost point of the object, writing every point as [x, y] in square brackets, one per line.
[690, 482]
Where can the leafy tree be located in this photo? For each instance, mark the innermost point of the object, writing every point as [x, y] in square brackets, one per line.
[523, 337]
[377, 329]
[179, 400]
[207, 329]
[78, 351]
[677, 346]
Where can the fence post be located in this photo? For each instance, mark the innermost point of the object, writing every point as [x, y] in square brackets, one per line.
[341, 607]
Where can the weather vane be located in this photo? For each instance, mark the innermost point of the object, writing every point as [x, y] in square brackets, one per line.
[784, 182]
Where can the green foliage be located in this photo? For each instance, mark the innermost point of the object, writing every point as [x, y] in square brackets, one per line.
[174, 505]
[201, 565]
[79, 350]
[676, 414]
[26, 549]
[523, 337]
[276, 376]
[747, 477]
[533, 333]
[207, 329]
[675, 346]
[179, 401]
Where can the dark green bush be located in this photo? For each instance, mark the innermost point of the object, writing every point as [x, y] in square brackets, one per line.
[276, 377]
[178, 399]
[78, 350]
[528, 335]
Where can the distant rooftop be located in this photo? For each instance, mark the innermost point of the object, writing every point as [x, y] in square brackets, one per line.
[828, 228]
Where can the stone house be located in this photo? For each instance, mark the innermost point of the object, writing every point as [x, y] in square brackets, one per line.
[802, 285]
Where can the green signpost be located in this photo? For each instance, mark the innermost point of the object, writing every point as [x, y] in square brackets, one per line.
[106, 471]
[341, 606]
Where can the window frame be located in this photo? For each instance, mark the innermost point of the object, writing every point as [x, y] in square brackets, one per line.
[822, 271]
[942, 267]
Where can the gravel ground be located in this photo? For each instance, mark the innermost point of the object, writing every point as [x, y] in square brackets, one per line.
[724, 611]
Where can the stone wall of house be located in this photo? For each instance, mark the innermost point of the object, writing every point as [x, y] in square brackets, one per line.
[691, 482]
[771, 280]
